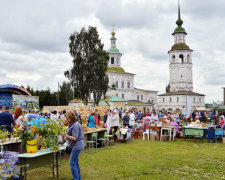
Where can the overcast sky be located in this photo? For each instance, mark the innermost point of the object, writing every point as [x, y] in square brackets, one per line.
[34, 37]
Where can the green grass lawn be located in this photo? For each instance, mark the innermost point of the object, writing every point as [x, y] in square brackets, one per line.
[147, 160]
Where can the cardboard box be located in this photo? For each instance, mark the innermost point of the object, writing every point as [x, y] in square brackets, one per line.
[162, 119]
[140, 132]
[152, 138]
[165, 124]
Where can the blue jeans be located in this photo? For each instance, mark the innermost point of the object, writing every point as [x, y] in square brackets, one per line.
[74, 164]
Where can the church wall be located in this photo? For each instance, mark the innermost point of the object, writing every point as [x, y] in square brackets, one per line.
[119, 77]
[179, 101]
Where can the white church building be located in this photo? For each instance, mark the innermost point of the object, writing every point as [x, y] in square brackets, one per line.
[180, 93]
[124, 81]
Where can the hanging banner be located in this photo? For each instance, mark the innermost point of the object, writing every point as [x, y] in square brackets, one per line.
[26, 102]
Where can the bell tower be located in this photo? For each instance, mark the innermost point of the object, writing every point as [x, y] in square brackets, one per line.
[180, 60]
[114, 53]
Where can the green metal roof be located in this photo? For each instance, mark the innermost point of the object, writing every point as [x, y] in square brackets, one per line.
[179, 23]
[101, 103]
[114, 50]
[113, 37]
[114, 99]
[179, 29]
[117, 70]
[137, 103]
[181, 46]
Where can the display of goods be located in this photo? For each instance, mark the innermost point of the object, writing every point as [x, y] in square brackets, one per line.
[84, 121]
[84, 127]
[91, 129]
[31, 146]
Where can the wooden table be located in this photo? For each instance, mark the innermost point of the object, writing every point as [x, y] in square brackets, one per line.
[12, 146]
[100, 132]
[40, 157]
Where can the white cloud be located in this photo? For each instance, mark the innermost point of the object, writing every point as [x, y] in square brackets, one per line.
[34, 37]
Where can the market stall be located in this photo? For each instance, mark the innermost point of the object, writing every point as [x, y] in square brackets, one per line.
[195, 132]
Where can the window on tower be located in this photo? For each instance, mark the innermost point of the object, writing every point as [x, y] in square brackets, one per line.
[123, 96]
[170, 99]
[117, 61]
[128, 85]
[138, 97]
[181, 58]
[163, 99]
[112, 60]
[142, 97]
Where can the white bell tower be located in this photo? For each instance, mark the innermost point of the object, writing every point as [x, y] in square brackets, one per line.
[114, 53]
[180, 60]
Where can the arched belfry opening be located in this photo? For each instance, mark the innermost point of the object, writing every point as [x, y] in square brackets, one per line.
[181, 58]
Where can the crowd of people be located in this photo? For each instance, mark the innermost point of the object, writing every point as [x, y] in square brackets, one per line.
[113, 119]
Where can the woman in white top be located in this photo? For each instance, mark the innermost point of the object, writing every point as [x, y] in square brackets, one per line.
[115, 122]
[19, 118]
[53, 116]
[132, 119]
[154, 117]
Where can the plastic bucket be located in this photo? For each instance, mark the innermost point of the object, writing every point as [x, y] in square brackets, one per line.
[31, 146]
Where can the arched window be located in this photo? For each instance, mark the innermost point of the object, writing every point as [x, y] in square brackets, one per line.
[188, 58]
[173, 58]
[181, 58]
[112, 60]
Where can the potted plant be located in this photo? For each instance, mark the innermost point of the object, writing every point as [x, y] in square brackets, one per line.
[4, 135]
[27, 136]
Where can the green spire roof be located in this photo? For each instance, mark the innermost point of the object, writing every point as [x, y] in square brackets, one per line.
[114, 50]
[179, 23]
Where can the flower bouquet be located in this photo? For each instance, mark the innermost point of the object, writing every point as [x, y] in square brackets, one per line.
[49, 134]
[27, 136]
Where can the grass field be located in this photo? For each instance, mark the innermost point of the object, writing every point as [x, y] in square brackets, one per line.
[146, 160]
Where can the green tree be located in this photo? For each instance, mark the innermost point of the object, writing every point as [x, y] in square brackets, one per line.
[65, 93]
[89, 65]
[168, 88]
